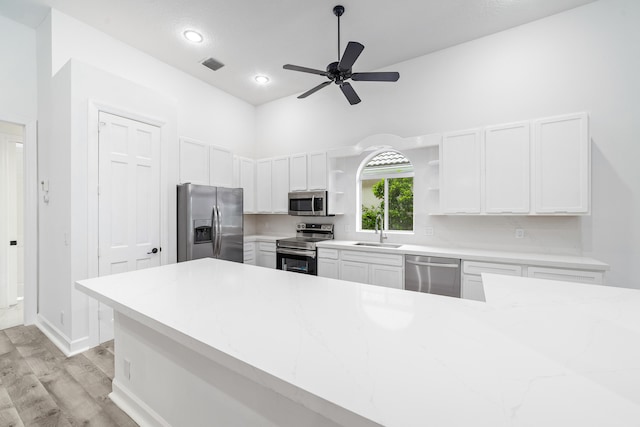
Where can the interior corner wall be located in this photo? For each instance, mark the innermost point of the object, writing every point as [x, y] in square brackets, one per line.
[584, 59]
[18, 70]
[205, 113]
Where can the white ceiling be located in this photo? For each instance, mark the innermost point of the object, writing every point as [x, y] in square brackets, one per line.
[257, 37]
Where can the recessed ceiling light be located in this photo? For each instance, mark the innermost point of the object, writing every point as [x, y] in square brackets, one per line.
[263, 80]
[193, 36]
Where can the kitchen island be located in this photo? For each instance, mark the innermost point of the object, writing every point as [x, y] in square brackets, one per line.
[211, 342]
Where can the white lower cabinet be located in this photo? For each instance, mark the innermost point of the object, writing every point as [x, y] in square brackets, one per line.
[386, 275]
[472, 287]
[579, 276]
[328, 264]
[266, 256]
[354, 271]
[250, 253]
[380, 269]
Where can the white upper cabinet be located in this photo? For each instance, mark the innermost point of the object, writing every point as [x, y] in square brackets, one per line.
[220, 167]
[460, 186]
[308, 171]
[506, 168]
[298, 172]
[561, 164]
[194, 162]
[247, 181]
[317, 171]
[263, 185]
[280, 185]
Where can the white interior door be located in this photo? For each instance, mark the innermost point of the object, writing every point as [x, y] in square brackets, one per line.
[9, 220]
[129, 201]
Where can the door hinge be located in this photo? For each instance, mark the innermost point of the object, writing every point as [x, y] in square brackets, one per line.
[98, 252]
[98, 190]
[101, 125]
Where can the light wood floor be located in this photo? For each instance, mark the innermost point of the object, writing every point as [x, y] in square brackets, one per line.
[39, 386]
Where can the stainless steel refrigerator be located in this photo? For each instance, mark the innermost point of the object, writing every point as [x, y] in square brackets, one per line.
[210, 223]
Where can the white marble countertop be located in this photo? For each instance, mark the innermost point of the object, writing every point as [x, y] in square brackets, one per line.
[547, 260]
[539, 353]
[264, 238]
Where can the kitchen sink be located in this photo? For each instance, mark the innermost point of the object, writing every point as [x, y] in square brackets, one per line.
[378, 245]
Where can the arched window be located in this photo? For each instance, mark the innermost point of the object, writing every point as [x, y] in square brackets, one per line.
[385, 184]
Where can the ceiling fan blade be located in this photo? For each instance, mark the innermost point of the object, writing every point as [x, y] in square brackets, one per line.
[351, 53]
[315, 89]
[304, 69]
[387, 76]
[350, 94]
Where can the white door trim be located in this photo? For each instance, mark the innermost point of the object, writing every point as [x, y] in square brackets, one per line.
[94, 109]
[30, 215]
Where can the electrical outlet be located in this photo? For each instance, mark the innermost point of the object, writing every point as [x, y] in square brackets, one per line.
[126, 367]
[519, 233]
[347, 227]
[428, 231]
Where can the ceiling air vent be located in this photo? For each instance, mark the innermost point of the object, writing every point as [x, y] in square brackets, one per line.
[212, 64]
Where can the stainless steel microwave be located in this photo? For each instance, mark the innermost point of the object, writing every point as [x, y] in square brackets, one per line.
[309, 203]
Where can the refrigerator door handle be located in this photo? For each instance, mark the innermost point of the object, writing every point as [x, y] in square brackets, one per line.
[219, 231]
[214, 230]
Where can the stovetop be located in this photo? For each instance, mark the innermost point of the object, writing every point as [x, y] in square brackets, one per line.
[307, 236]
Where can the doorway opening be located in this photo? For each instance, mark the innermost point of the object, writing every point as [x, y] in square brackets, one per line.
[12, 259]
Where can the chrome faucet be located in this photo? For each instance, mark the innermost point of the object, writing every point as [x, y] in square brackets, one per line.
[380, 221]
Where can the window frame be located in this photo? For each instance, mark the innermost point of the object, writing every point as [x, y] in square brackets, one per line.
[386, 177]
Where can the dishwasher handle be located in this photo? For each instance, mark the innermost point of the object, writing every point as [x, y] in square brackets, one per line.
[433, 264]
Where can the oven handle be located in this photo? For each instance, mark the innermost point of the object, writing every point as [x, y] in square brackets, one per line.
[309, 254]
[313, 205]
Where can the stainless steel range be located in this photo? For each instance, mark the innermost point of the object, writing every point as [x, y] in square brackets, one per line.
[299, 254]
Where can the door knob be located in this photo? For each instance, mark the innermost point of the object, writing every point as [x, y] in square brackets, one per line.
[153, 251]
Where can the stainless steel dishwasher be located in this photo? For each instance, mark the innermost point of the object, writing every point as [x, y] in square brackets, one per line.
[433, 275]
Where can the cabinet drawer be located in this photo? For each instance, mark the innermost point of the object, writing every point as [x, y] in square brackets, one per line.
[372, 258]
[267, 246]
[474, 267]
[327, 253]
[579, 276]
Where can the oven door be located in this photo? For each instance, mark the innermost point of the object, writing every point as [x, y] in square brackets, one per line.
[297, 260]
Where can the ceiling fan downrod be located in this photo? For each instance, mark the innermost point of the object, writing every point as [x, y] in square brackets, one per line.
[338, 11]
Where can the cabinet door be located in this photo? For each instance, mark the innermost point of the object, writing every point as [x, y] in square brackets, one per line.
[472, 288]
[220, 167]
[561, 164]
[250, 253]
[248, 183]
[317, 171]
[506, 168]
[263, 185]
[298, 172]
[328, 268]
[460, 183]
[579, 276]
[194, 162]
[386, 275]
[280, 185]
[266, 254]
[354, 271]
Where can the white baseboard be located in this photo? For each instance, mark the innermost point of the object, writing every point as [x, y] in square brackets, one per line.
[139, 411]
[60, 339]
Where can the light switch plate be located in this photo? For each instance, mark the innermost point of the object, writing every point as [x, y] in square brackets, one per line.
[519, 233]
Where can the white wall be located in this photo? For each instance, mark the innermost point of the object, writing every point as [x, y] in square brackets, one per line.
[18, 70]
[205, 113]
[584, 59]
[80, 68]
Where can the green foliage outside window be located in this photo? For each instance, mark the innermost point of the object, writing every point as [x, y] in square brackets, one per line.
[400, 205]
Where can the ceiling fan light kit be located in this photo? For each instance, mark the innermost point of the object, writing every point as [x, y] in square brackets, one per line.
[341, 71]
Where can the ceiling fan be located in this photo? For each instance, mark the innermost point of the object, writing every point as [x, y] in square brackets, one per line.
[339, 72]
